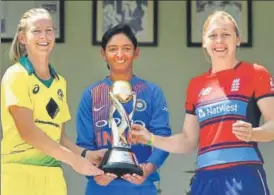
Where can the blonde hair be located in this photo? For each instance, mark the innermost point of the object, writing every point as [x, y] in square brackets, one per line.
[218, 15]
[17, 49]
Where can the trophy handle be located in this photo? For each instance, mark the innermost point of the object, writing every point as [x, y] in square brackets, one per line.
[120, 109]
[133, 109]
[113, 126]
[117, 134]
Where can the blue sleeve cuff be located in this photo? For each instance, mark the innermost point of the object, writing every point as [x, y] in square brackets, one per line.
[157, 157]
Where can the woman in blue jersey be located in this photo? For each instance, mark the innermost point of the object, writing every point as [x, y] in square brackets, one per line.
[34, 110]
[119, 50]
[223, 110]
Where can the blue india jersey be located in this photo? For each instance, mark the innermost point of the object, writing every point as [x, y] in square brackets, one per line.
[93, 131]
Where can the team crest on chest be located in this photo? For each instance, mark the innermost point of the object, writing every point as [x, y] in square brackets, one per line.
[235, 86]
[60, 94]
[140, 105]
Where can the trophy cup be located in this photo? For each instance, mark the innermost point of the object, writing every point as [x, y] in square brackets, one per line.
[120, 159]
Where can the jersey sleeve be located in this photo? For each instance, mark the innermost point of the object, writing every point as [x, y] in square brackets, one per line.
[190, 102]
[159, 125]
[84, 122]
[264, 82]
[15, 90]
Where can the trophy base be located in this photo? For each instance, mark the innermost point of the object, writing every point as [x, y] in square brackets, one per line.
[120, 161]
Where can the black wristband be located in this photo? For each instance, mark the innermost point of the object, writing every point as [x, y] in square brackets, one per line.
[84, 153]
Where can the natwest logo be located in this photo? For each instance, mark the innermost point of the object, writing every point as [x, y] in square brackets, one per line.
[220, 109]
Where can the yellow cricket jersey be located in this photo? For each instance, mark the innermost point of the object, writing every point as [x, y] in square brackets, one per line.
[21, 87]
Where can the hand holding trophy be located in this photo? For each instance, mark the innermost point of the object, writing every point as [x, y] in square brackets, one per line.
[120, 159]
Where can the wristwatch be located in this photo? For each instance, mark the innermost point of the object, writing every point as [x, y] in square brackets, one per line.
[84, 153]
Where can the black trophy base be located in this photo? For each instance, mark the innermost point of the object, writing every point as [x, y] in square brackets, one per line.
[120, 161]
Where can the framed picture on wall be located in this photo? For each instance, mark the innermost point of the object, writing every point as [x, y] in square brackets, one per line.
[198, 11]
[141, 15]
[12, 11]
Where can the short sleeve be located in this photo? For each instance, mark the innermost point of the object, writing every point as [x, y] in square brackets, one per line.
[264, 82]
[15, 89]
[190, 102]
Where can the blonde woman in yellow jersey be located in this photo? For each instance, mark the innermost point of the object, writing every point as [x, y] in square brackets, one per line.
[33, 112]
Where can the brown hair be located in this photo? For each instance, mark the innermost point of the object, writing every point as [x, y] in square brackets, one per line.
[17, 49]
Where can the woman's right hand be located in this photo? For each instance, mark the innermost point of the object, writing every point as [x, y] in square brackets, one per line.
[85, 167]
[104, 180]
[140, 134]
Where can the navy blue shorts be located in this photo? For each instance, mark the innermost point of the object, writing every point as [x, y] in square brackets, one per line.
[237, 180]
[148, 189]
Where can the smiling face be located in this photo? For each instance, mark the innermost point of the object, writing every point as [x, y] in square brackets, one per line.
[38, 37]
[119, 54]
[220, 37]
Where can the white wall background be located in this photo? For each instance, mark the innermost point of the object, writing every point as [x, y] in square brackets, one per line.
[170, 65]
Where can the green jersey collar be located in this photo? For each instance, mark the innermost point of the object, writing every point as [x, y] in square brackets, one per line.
[24, 61]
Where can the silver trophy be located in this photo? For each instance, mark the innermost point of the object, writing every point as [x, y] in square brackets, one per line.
[120, 159]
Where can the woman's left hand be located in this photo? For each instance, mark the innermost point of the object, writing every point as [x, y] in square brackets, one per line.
[136, 179]
[242, 130]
